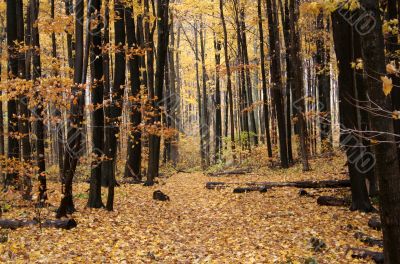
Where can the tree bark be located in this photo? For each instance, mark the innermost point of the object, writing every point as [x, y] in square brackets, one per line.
[344, 38]
[133, 163]
[162, 48]
[264, 81]
[276, 79]
[13, 143]
[387, 160]
[97, 89]
[74, 135]
[117, 92]
[228, 80]
[298, 82]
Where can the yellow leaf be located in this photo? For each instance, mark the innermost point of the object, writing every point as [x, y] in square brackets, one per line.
[391, 69]
[387, 85]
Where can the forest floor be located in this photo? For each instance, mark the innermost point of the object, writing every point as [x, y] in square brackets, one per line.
[197, 225]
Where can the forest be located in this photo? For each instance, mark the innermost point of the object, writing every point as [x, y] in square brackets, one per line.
[213, 131]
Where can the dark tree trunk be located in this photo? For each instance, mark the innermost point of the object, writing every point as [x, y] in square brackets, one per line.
[74, 136]
[324, 86]
[2, 150]
[40, 139]
[59, 131]
[249, 87]
[23, 124]
[387, 161]
[117, 92]
[205, 123]
[285, 16]
[392, 48]
[198, 90]
[133, 162]
[264, 81]
[228, 80]
[218, 116]
[13, 144]
[105, 165]
[69, 8]
[97, 101]
[276, 79]
[344, 38]
[162, 49]
[298, 81]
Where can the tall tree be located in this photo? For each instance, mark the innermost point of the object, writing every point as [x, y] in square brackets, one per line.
[218, 115]
[387, 161]
[39, 124]
[205, 122]
[249, 87]
[74, 135]
[13, 144]
[276, 79]
[97, 101]
[324, 84]
[162, 49]
[23, 102]
[345, 39]
[228, 79]
[298, 81]
[133, 162]
[117, 93]
[285, 16]
[264, 80]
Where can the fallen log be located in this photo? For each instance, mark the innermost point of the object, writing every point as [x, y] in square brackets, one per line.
[359, 253]
[216, 185]
[332, 201]
[370, 241]
[14, 224]
[261, 189]
[229, 172]
[375, 223]
[296, 184]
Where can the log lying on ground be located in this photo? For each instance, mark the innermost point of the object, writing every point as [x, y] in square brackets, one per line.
[14, 224]
[370, 241]
[296, 184]
[332, 201]
[375, 223]
[261, 189]
[216, 185]
[229, 172]
[366, 254]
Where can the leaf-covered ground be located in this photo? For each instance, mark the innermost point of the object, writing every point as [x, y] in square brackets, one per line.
[197, 225]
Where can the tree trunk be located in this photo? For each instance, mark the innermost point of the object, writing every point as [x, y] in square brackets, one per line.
[74, 135]
[13, 144]
[117, 92]
[97, 89]
[162, 48]
[218, 115]
[264, 81]
[387, 161]
[200, 109]
[205, 123]
[344, 38]
[133, 163]
[228, 79]
[289, 76]
[276, 79]
[298, 81]
[324, 87]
